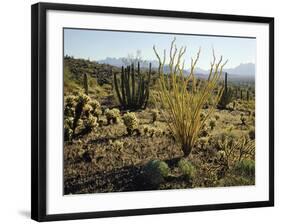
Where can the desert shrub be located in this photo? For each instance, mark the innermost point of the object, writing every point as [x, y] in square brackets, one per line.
[230, 128]
[221, 155]
[217, 116]
[233, 105]
[252, 133]
[245, 167]
[131, 122]
[154, 172]
[187, 169]
[235, 149]
[118, 145]
[212, 124]
[243, 119]
[232, 180]
[154, 114]
[112, 116]
[182, 98]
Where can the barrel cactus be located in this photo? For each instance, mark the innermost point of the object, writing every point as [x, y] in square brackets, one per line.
[154, 172]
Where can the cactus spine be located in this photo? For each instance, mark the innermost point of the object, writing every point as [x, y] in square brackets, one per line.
[86, 86]
[133, 88]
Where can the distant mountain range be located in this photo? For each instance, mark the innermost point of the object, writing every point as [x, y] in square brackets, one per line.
[244, 69]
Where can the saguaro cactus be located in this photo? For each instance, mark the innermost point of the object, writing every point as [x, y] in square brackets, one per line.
[133, 89]
[241, 94]
[85, 82]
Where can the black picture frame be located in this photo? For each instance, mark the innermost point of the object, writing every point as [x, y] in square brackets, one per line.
[39, 108]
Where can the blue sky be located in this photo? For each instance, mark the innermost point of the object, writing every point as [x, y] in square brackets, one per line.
[97, 45]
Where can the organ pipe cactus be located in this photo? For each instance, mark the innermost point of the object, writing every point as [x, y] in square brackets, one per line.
[132, 89]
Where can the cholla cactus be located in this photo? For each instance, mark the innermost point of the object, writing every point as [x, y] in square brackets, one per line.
[152, 131]
[154, 114]
[203, 141]
[130, 121]
[95, 104]
[69, 106]
[97, 113]
[67, 133]
[83, 98]
[90, 123]
[70, 101]
[80, 113]
[87, 110]
[212, 124]
[112, 115]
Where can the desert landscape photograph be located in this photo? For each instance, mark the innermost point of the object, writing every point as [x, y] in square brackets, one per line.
[157, 111]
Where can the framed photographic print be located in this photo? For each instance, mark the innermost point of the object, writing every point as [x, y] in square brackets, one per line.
[140, 111]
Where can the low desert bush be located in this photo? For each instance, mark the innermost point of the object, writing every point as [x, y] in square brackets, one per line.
[245, 167]
[154, 114]
[154, 172]
[252, 134]
[187, 169]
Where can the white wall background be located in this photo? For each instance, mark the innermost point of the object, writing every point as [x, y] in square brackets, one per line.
[15, 110]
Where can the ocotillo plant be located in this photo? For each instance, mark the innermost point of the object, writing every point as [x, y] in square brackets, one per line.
[226, 95]
[133, 88]
[184, 105]
[86, 86]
